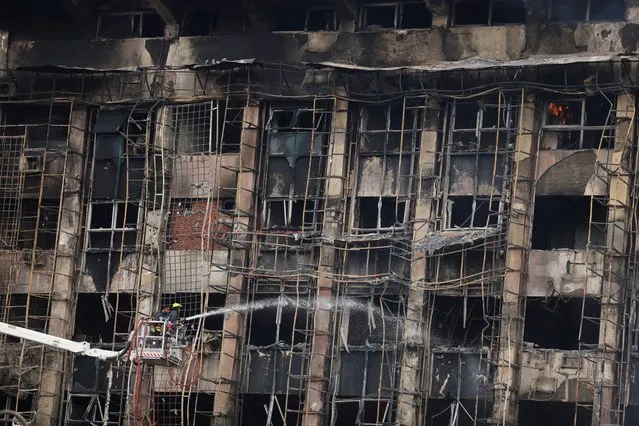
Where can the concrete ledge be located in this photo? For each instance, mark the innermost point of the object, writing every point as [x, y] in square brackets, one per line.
[373, 49]
[563, 272]
[555, 375]
[384, 48]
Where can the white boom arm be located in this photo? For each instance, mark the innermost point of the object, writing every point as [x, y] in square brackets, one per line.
[79, 348]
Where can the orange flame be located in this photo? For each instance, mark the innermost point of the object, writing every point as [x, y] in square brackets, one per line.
[560, 112]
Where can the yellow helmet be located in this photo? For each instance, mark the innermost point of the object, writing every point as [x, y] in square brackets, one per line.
[176, 305]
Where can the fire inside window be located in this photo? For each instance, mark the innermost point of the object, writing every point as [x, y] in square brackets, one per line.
[585, 123]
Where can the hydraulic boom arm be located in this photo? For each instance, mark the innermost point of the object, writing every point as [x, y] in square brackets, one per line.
[79, 348]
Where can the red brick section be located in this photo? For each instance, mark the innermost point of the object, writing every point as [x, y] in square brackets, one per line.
[192, 228]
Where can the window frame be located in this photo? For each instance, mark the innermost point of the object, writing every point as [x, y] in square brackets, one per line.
[587, 18]
[129, 130]
[135, 33]
[407, 151]
[581, 127]
[306, 18]
[494, 218]
[506, 125]
[318, 135]
[397, 19]
[213, 120]
[491, 8]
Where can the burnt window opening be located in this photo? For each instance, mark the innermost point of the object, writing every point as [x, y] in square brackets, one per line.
[118, 178]
[227, 205]
[631, 413]
[104, 318]
[375, 260]
[587, 10]
[447, 411]
[389, 129]
[461, 321]
[263, 409]
[299, 120]
[12, 190]
[296, 144]
[46, 126]
[89, 393]
[9, 223]
[635, 335]
[176, 408]
[199, 22]
[292, 215]
[472, 267]
[488, 12]
[29, 311]
[389, 137]
[119, 151]
[39, 224]
[471, 212]
[321, 20]
[126, 216]
[101, 265]
[368, 372]
[552, 413]
[32, 162]
[381, 213]
[586, 123]
[214, 323]
[374, 321]
[279, 324]
[24, 404]
[113, 225]
[290, 18]
[480, 126]
[363, 412]
[130, 25]
[556, 323]
[405, 15]
[207, 128]
[564, 222]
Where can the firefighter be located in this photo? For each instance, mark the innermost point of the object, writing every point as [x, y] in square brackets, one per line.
[174, 313]
[162, 315]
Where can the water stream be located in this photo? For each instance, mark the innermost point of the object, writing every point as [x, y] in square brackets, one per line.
[287, 302]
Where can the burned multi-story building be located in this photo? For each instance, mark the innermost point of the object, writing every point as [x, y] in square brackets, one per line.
[389, 213]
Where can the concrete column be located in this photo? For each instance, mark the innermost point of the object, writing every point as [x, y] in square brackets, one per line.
[315, 406]
[511, 328]
[63, 294]
[610, 341]
[224, 410]
[415, 354]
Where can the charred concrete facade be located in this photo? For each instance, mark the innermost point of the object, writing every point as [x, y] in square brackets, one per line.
[414, 212]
